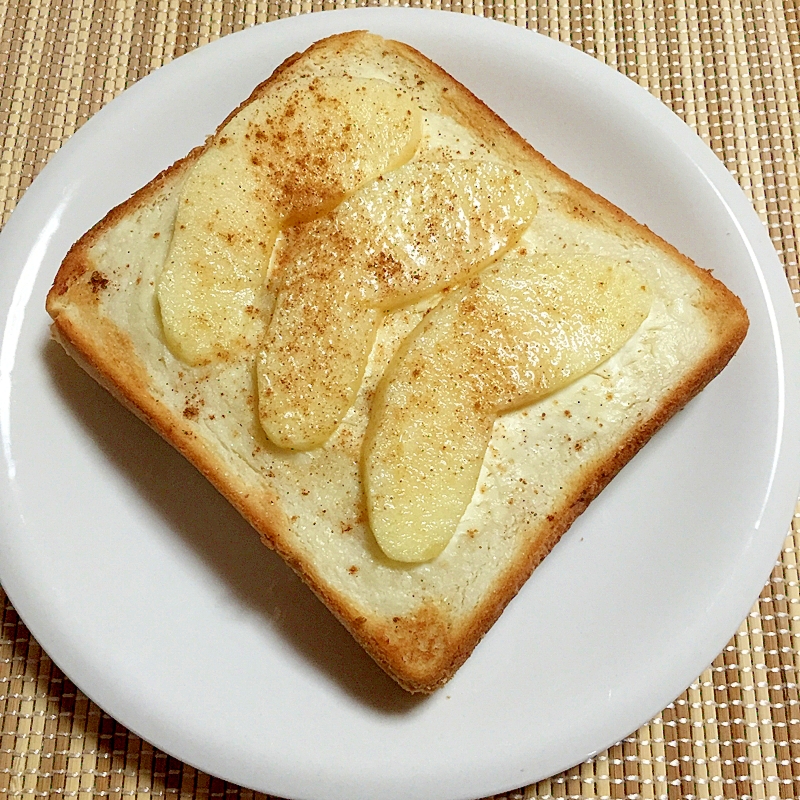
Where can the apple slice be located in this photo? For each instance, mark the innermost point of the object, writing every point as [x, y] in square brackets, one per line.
[290, 155]
[522, 329]
[402, 237]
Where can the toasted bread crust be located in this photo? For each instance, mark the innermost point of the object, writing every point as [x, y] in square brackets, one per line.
[423, 649]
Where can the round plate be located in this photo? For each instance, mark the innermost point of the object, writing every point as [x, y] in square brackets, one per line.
[159, 602]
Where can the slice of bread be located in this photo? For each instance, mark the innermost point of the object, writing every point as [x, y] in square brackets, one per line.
[545, 462]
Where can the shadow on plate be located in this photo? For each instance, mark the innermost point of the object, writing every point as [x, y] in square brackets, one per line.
[191, 506]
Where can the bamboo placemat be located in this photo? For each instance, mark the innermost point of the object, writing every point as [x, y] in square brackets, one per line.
[731, 70]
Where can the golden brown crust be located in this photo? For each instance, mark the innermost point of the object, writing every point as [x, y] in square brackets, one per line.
[422, 650]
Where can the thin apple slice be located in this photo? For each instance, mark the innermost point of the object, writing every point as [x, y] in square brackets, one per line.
[434, 225]
[209, 289]
[522, 329]
[290, 155]
[318, 342]
[404, 236]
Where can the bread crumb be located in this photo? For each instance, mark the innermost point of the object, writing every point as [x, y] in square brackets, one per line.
[98, 281]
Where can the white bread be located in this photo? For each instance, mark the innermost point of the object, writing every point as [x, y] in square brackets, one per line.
[545, 463]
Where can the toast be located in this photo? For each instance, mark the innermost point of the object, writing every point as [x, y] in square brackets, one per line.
[547, 454]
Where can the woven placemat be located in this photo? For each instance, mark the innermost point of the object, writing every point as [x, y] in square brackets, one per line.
[730, 69]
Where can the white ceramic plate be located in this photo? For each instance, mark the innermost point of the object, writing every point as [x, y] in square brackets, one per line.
[157, 600]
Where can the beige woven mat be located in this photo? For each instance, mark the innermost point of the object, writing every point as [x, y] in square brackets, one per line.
[731, 70]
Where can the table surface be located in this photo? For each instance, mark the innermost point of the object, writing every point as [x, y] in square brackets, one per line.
[728, 68]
